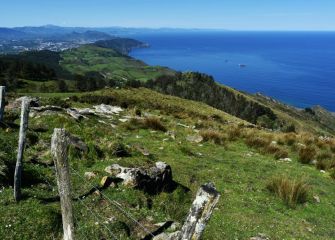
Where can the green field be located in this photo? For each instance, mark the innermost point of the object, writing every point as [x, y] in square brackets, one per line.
[110, 63]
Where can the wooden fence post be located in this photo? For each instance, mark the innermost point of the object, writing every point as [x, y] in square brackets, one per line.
[22, 140]
[201, 210]
[59, 151]
[2, 102]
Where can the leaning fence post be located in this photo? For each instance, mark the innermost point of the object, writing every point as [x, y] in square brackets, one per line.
[201, 210]
[59, 151]
[22, 139]
[2, 102]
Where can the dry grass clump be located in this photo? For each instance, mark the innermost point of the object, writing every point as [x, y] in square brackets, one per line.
[214, 136]
[148, 122]
[234, 133]
[154, 123]
[307, 154]
[307, 139]
[292, 192]
[275, 150]
[290, 139]
[257, 141]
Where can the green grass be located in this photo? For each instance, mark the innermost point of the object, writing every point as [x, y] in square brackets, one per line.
[240, 172]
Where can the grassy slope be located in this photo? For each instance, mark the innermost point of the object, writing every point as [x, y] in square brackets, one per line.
[324, 124]
[109, 62]
[246, 208]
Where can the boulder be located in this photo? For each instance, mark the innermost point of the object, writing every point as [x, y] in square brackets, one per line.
[107, 109]
[34, 102]
[89, 175]
[152, 180]
[194, 138]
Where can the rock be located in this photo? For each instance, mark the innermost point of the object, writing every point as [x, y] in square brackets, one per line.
[106, 181]
[285, 159]
[75, 114]
[172, 134]
[174, 226]
[316, 198]
[194, 138]
[47, 108]
[78, 143]
[274, 142]
[90, 175]
[183, 125]
[142, 150]
[107, 109]
[322, 171]
[123, 120]
[34, 102]
[260, 236]
[151, 180]
[130, 176]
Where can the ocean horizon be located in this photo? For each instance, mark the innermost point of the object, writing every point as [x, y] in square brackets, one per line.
[297, 68]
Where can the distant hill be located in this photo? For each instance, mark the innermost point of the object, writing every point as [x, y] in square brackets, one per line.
[122, 45]
[11, 34]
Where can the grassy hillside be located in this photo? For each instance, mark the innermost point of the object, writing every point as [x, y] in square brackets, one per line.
[242, 161]
[110, 63]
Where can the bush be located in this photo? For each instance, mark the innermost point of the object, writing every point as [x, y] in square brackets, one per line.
[214, 136]
[307, 154]
[292, 192]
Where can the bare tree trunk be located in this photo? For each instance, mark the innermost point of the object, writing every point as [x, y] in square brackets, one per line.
[22, 141]
[2, 102]
[202, 208]
[59, 151]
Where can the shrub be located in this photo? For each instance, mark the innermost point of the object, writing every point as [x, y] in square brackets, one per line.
[212, 135]
[307, 154]
[292, 192]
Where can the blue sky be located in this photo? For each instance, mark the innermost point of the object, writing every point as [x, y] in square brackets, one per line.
[219, 14]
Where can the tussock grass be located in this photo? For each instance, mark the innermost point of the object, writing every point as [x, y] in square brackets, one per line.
[146, 123]
[154, 123]
[292, 192]
[307, 154]
[234, 133]
[215, 136]
[290, 138]
[257, 141]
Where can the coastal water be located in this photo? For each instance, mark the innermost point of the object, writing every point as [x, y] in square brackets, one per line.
[297, 68]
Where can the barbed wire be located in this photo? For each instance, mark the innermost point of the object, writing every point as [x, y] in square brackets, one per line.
[77, 230]
[97, 218]
[116, 204]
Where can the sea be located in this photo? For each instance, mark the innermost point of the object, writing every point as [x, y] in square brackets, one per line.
[297, 68]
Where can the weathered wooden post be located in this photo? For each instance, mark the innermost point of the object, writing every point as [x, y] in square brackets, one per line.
[2, 102]
[22, 140]
[59, 151]
[201, 210]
